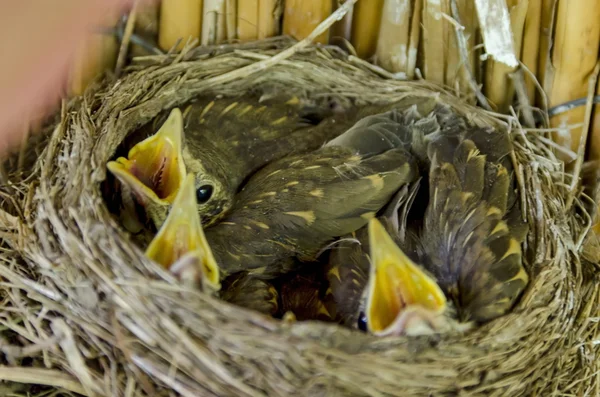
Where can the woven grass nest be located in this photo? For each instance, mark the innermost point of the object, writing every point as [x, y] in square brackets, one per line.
[84, 310]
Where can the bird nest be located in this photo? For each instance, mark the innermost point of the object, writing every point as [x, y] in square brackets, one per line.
[85, 311]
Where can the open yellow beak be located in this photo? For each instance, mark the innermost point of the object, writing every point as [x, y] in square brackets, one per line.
[180, 244]
[396, 284]
[154, 168]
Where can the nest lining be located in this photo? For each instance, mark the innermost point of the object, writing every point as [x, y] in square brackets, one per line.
[87, 303]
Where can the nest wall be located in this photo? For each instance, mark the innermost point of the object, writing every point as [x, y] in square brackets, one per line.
[82, 300]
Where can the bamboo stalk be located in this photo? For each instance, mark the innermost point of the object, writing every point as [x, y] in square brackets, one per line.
[247, 20]
[301, 17]
[574, 56]
[212, 12]
[546, 28]
[455, 63]
[394, 36]
[146, 26]
[179, 20]
[231, 18]
[434, 39]
[499, 87]
[222, 23]
[594, 151]
[95, 55]
[415, 36]
[269, 16]
[531, 42]
[342, 29]
[365, 27]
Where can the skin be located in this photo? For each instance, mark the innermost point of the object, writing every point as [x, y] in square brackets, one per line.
[41, 37]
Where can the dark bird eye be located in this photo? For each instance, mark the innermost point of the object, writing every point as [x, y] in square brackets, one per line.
[362, 321]
[204, 193]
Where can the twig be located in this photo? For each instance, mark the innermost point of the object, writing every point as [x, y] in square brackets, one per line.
[47, 377]
[126, 40]
[584, 133]
[262, 65]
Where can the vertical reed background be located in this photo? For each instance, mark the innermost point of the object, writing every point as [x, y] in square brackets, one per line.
[511, 56]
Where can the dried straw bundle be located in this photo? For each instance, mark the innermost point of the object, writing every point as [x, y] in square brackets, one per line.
[100, 319]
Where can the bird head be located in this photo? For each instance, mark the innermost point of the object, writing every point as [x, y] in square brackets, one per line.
[155, 168]
[401, 298]
[180, 244]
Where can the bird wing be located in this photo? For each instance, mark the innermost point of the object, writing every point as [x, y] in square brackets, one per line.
[469, 241]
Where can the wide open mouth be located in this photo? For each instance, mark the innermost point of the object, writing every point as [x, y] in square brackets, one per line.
[154, 168]
[180, 244]
[396, 283]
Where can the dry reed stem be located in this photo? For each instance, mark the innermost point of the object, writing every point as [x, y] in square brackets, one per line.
[415, 39]
[394, 36]
[366, 18]
[574, 55]
[594, 146]
[247, 20]
[435, 40]
[269, 16]
[531, 44]
[300, 17]
[499, 87]
[341, 30]
[213, 13]
[180, 21]
[231, 19]
[547, 23]
[494, 21]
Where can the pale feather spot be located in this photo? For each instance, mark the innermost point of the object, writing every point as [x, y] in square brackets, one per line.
[245, 110]
[323, 310]
[202, 121]
[285, 190]
[494, 211]
[354, 158]
[469, 215]
[312, 167]
[316, 192]
[261, 109]
[234, 143]
[267, 194]
[467, 239]
[355, 282]
[228, 223]
[514, 248]
[259, 270]
[376, 180]
[296, 162]
[465, 196]
[280, 120]
[234, 256]
[255, 202]
[228, 108]
[294, 183]
[308, 216]
[273, 173]
[500, 227]
[206, 109]
[335, 272]
[186, 112]
[293, 101]
[368, 215]
[261, 225]
[247, 227]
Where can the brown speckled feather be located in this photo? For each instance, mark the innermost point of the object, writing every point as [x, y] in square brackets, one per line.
[251, 293]
[466, 243]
